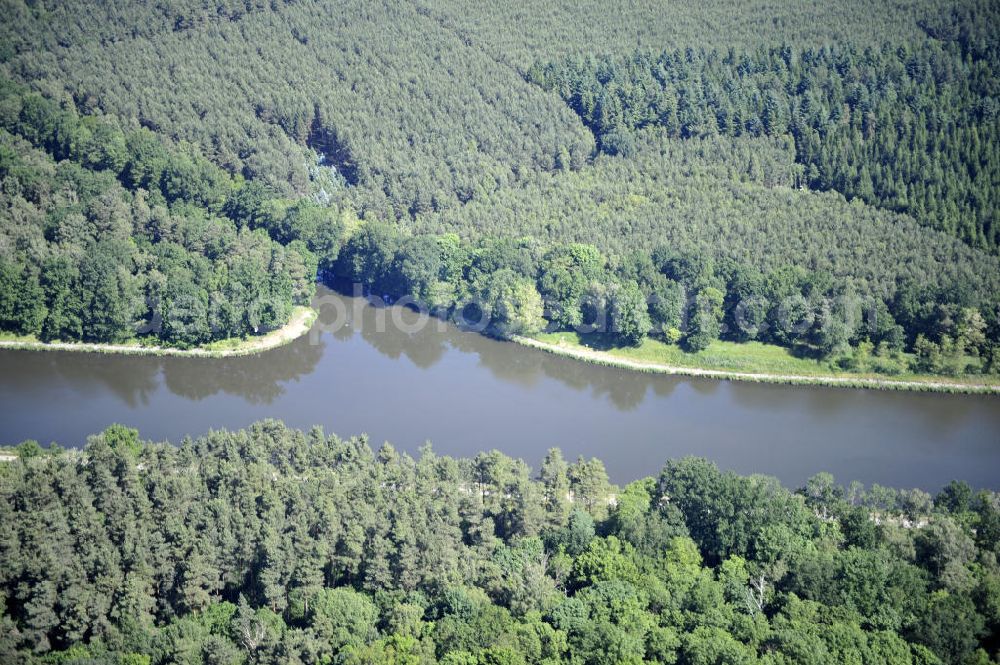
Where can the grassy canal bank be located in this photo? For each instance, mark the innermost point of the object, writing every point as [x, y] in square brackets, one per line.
[301, 320]
[751, 361]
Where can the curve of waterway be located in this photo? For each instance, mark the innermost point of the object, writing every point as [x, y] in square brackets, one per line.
[467, 393]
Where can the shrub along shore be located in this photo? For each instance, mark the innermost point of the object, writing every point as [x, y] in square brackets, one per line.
[651, 356]
[633, 359]
[297, 326]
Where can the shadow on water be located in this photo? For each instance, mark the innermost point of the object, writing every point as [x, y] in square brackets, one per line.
[514, 365]
[465, 392]
[133, 379]
[424, 348]
[259, 379]
[393, 331]
[136, 380]
[397, 332]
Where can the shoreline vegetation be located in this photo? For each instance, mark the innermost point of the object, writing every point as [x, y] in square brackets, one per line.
[839, 200]
[650, 357]
[298, 325]
[727, 361]
[273, 545]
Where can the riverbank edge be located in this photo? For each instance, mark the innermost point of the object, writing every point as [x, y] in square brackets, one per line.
[303, 318]
[298, 325]
[606, 359]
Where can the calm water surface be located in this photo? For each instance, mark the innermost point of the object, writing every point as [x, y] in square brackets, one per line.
[466, 393]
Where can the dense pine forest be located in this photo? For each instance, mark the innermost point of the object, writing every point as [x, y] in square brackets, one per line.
[97, 256]
[822, 178]
[273, 545]
[913, 131]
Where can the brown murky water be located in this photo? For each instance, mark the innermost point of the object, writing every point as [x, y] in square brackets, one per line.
[466, 393]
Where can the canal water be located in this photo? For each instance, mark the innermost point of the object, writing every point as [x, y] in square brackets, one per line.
[410, 384]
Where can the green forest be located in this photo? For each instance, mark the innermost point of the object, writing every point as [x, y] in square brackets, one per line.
[110, 233]
[274, 545]
[822, 178]
[193, 168]
[914, 132]
[819, 177]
